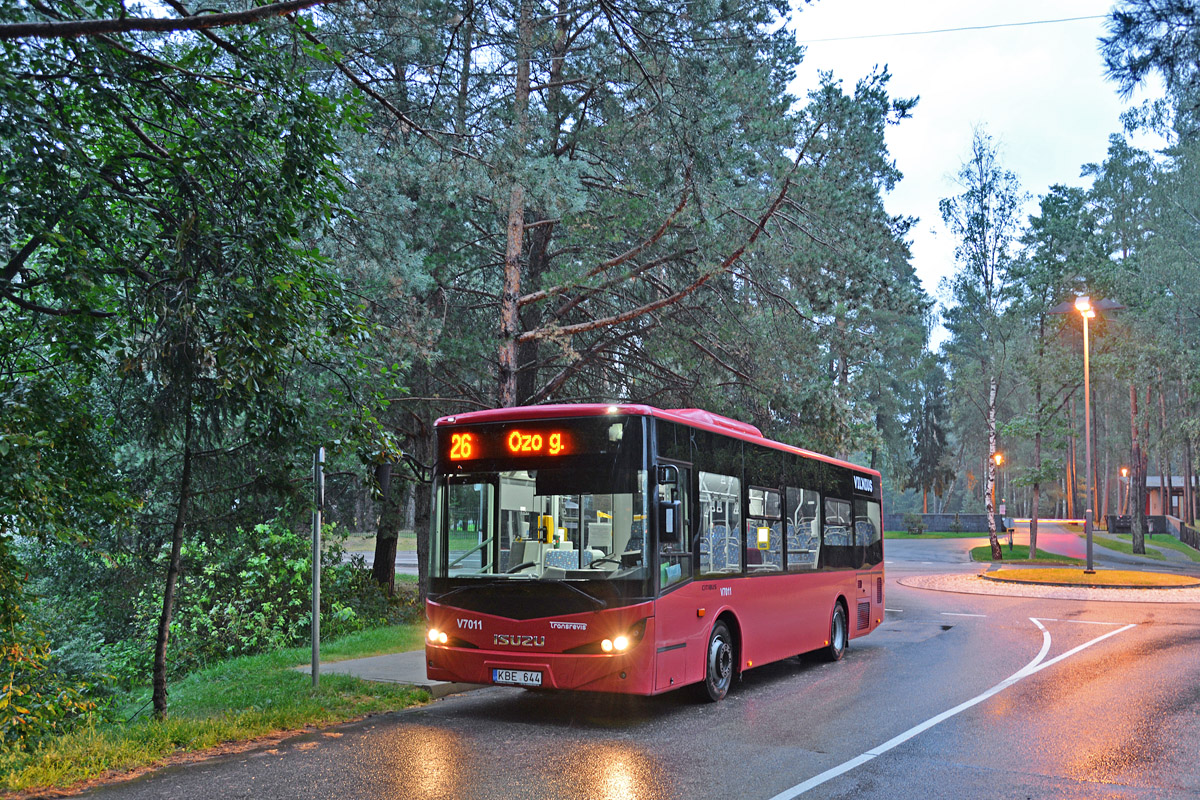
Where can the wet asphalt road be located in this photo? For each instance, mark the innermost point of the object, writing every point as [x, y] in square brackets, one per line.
[1097, 709]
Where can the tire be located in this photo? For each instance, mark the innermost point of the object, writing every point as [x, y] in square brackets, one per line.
[838, 634]
[718, 664]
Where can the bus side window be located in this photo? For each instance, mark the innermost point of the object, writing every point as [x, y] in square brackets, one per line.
[803, 529]
[720, 536]
[675, 557]
[838, 537]
[868, 530]
[764, 531]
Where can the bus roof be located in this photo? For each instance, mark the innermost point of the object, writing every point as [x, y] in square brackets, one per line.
[694, 417]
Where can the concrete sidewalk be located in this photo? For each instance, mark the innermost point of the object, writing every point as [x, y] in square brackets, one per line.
[406, 668]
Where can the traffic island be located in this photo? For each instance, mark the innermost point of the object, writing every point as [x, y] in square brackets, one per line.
[1100, 579]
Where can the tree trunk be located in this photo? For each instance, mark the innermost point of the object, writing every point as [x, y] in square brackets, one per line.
[1137, 478]
[159, 676]
[1070, 476]
[1104, 483]
[464, 75]
[515, 231]
[528, 352]
[410, 506]
[1164, 462]
[990, 482]
[1188, 510]
[1185, 513]
[422, 450]
[1104, 504]
[383, 570]
[1093, 501]
[1037, 471]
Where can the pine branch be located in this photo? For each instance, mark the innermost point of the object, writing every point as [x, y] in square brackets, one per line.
[634, 313]
[96, 27]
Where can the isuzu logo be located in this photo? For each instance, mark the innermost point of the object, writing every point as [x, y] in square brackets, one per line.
[513, 640]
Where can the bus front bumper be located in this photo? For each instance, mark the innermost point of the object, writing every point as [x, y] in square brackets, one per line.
[626, 673]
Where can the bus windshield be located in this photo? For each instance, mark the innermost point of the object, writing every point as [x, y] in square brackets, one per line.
[545, 524]
[577, 517]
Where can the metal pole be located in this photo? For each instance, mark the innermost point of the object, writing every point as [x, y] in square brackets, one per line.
[318, 506]
[1087, 435]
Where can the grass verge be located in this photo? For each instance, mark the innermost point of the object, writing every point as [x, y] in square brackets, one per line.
[1123, 542]
[242, 699]
[1112, 578]
[1020, 555]
[1113, 542]
[1171, 543]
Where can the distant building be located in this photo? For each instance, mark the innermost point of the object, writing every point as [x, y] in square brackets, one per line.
[1155, 492]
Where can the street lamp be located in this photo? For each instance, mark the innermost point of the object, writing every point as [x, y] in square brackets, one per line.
[1087, 310]
[997, 457]
[1125, 477]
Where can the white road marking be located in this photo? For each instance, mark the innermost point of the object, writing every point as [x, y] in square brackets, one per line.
[896, 610]
[1081, 621]
[1033, 667]
[953, 614]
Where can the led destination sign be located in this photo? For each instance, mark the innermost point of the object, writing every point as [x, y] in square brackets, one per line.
[537, 440]
[468, 445]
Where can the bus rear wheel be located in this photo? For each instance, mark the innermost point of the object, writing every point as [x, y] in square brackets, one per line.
[837, 635]
[718, 663]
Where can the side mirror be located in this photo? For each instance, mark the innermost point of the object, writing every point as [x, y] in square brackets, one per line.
[669, 516]
[668, 474]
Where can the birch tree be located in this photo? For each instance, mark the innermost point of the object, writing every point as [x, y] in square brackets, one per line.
[985, 221]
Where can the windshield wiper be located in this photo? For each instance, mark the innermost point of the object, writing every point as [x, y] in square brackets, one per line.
[599, 603]
[500, 583]
[464, 588]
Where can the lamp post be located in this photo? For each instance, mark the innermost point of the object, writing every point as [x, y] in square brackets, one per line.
[1087, 309]
[1084, 307]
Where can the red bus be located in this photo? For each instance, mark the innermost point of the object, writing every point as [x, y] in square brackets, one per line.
[632, 549]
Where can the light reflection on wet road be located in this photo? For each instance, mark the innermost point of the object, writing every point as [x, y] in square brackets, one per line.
[1117, 719]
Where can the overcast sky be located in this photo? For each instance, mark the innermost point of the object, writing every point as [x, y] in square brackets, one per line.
[1039, 90]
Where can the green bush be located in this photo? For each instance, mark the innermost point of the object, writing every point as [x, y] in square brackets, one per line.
[241, 593]
[915, 523]
[36, 698]
[253, 594]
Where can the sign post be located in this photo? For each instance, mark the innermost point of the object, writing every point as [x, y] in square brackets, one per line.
[318, 507]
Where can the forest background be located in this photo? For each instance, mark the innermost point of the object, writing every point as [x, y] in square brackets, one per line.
[230, 238]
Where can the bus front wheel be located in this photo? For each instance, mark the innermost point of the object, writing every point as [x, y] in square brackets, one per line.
[837, 634]
[718, 663]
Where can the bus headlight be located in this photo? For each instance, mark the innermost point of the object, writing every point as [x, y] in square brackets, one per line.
[437, 637]
[618, 644]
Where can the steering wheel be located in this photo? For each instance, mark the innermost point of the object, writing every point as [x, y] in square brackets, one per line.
[613, 558]
[521, 566]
